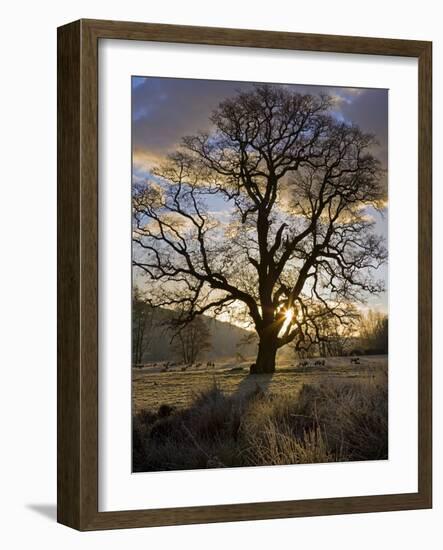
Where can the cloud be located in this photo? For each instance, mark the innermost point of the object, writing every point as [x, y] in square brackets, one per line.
[166, 109]
[369, 110]
[144, 160]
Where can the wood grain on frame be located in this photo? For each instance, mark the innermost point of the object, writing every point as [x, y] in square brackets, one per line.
[77, 172]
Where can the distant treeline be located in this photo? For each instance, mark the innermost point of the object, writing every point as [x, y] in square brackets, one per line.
[368, 335]
[208, 339]
[205, 339]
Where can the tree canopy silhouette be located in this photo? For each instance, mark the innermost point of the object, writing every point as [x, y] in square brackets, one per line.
[292, 243]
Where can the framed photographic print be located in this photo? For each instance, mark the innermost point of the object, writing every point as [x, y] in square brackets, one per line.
[244, 275]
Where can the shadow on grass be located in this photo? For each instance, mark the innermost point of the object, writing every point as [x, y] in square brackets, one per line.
[253, 383]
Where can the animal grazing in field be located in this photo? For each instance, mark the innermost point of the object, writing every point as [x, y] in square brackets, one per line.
[320, 363]
[304, 364]
[355, 360]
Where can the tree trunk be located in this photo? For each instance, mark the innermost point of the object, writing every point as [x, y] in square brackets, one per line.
[267, 350]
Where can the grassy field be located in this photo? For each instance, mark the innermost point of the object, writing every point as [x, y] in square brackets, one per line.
[155, 385]
[216, 416]
[220, 416]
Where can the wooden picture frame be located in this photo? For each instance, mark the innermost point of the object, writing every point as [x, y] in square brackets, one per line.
[78, 274]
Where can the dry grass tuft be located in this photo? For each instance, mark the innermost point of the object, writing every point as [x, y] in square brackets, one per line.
[333, 420]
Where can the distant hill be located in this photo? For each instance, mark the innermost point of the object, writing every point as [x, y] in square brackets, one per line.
[227, 340]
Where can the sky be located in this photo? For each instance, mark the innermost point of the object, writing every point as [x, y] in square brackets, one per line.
[166, 109]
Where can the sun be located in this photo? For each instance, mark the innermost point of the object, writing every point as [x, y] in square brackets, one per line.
[289, 314]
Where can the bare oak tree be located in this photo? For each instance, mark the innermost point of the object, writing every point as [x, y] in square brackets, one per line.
[374, 332]
[297, 245]
[337, 334]
[142, 324]
[191, 340]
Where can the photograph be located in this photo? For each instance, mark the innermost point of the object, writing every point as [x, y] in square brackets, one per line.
[259, 274]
